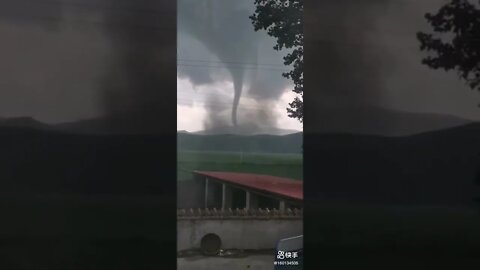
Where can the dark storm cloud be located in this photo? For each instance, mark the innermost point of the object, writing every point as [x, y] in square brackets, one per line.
[362, 56]
[45, 69]
[413, 86]
[190, 48]
[229, 41]
[342, 53]
[140, 81]
[67, 60]
[29, 12]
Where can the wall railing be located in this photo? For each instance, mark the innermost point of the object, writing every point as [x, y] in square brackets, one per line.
[214, 213]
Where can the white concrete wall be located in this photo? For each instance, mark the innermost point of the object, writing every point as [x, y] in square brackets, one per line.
[237, 233]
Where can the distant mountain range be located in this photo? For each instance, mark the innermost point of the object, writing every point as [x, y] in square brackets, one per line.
[245, 131]
[117, 124]
[291, 143]
[355, 120]
[112, 125]
[434, 167]
[27, 122]
[379, 121]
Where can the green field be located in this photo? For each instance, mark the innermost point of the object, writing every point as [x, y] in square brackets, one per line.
[284, 165]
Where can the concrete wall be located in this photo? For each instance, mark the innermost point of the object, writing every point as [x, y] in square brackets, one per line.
[237, 233]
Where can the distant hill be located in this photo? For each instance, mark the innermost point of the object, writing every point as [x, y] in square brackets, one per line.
[128, 124]
[125, 124]
[247, 131]
[438, 167]
[379, 121]
[237, 143]
[26, 122]
[355, 120]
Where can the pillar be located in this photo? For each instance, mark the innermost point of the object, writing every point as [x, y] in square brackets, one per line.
[227, 196]
[281, 206]
[251, 200]
[206, 193]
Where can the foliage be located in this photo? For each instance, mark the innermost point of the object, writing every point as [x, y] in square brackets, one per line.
[283, 165]
[455, 42]
[283, 20]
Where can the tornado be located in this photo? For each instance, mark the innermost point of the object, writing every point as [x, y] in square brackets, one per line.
[227, 40]
[237, 85]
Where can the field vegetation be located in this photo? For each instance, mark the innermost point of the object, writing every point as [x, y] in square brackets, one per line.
[283, 165]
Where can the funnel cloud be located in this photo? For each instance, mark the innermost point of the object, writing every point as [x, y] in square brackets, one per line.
[227, 41]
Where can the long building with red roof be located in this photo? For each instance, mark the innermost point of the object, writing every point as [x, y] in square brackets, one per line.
[244, 190]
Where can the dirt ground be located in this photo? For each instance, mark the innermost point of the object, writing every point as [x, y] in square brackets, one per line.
[251, 262]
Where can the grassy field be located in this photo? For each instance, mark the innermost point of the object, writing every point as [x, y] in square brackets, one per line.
[284, 165]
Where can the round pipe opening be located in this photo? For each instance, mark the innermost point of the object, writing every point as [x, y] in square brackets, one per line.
[210, 244]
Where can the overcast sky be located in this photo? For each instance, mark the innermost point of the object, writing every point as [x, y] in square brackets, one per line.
[66, 60]
[51, 66]
[366, 52]
[50, 71]
[219, 53]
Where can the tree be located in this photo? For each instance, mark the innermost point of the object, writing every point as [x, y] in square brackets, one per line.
[455, 45]
[283, 20]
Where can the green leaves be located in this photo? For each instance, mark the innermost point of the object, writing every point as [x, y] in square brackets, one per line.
[455, 43]
[285, 23]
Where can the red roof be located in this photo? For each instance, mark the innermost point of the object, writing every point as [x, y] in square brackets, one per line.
[284, 187]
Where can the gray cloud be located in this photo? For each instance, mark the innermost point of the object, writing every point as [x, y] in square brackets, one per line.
[138, 86]
[230, 42]
[63, 61]
[364, 54]
[67, 60]
[49, 66]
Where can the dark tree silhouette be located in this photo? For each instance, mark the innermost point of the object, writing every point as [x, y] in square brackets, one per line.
[283, 20]
[455, 43]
